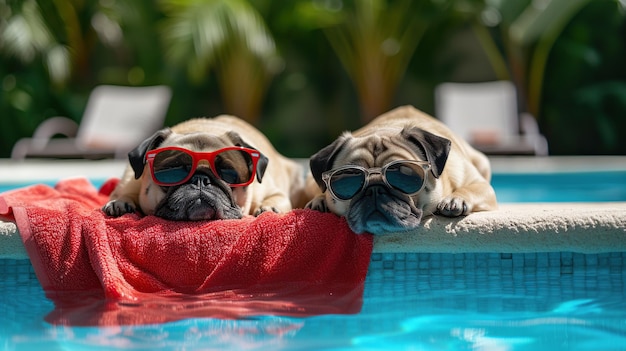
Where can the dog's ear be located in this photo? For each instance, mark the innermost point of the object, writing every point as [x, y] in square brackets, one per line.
[137, 156]
[434, 147]
[323, 160]
[261, 165]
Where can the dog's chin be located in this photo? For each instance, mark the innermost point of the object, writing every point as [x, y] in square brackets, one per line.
[187, 203]
[382, 213]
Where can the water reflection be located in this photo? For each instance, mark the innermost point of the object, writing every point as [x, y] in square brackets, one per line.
[90, 308]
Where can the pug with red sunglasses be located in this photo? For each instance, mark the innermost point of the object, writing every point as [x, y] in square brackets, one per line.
[205, 169]
[402, 166]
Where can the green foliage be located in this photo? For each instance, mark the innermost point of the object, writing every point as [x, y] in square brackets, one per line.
[229, 36]
[564, 57]
[584, 100]
[375, 43]
[305, 70]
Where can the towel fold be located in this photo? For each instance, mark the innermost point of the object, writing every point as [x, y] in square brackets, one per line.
[298, 263]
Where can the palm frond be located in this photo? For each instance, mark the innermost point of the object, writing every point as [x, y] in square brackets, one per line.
[27, 37]
[375, 43]
[203, 31]
[57, 62]
[26, 34]
[228, 36]
[535, 21]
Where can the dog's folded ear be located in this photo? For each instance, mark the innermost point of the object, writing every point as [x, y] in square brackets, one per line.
[433, 147]
[137, 156]
[323, 160]
[261, 165]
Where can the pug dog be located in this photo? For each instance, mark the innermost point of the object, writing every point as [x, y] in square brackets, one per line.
[206, 169]
[402, 166]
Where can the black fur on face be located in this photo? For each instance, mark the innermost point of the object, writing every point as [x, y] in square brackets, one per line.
[203, 197]
[380, 210]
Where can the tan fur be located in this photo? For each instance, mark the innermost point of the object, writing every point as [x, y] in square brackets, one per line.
[467, 173]
[463, 183]
[281, 185]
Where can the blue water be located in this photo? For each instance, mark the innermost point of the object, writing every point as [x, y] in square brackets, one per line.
[17, 184]
[454, 302]
[560, 187]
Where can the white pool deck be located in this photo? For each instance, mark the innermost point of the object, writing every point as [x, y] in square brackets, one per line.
[513, 228]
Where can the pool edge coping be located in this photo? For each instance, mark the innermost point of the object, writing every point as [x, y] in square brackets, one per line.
[513, 228]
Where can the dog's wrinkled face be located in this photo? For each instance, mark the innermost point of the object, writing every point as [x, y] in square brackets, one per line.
[378, 208]
[204, 196]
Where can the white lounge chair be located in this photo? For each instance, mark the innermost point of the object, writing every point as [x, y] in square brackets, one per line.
[486, 115]
[116, 119]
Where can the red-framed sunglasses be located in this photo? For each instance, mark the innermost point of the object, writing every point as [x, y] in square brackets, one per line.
[173, 165]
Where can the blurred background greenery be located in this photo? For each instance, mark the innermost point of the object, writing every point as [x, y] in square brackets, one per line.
[305, 70]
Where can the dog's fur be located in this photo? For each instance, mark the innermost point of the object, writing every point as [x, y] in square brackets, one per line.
[278, 183]
[457, 185]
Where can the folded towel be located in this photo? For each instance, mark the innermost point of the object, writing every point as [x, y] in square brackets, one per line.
[298, 263]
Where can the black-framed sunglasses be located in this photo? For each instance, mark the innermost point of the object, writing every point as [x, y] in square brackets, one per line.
[406, 176]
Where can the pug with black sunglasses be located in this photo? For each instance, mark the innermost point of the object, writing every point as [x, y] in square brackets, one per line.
[400, 167]
[205, 169]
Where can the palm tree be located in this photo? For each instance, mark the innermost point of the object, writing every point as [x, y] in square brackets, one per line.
[528, 33]
[375, 42]
[26, 35]
[228, 36]
[65, 36]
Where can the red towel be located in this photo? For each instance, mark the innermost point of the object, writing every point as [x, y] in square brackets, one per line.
[299, 263]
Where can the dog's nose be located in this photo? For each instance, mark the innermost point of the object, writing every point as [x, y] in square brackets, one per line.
[200, 179]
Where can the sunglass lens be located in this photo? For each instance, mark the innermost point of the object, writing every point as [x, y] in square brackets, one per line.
[347, 183]
[234, 166]
[172, 166]
[406, 177]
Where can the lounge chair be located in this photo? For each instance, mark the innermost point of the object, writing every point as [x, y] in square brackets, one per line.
[487, 116]
[116, 119]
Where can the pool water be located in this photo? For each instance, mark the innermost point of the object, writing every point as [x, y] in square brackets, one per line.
[539, 301]
[17, 185]
[521, 187]
[560, 186]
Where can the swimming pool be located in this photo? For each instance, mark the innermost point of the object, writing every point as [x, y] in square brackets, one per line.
[415, 300]
[542, 301]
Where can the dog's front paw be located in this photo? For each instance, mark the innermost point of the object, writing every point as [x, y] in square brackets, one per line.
[263, 209]
[453, 206]
[318, 204]
[118, 207]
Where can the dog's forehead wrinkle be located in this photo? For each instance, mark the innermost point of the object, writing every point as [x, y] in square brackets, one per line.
[364, 151]
[388, 150]
[353, 153]
[200, 141]
[377, 146]
[410, 152]
[376, 151]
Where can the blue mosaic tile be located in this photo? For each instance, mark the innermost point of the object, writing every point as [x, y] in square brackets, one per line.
[530, 272]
